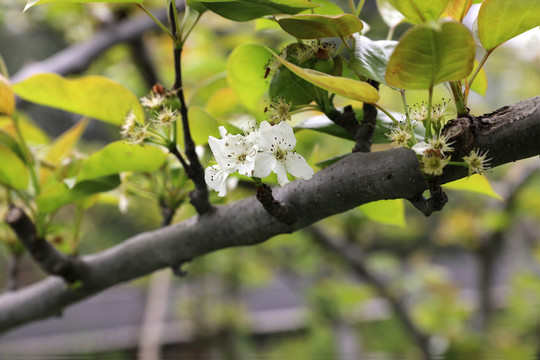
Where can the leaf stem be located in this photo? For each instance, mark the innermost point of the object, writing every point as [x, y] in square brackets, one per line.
[156, 20]
[387, 113]
[479, 67]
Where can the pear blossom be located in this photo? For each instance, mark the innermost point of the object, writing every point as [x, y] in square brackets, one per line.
[233, 152]
[477, 162]
[433, 162]
[153, 100]
[276, 154]
[216, 178]
[279, 110]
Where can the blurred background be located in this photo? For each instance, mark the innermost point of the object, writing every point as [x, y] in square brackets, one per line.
[461, 284]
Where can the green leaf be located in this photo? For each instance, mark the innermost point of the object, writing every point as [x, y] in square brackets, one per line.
[59, 194]
[245, 73]
[326, 7]
[290, 87]
[32, 134]
[370, 58]
[429, 54]
[245, 10]
[31, 3]
[420, 11]
[93, 96]
[202, 125]
[501, 20]
[196, 5]
[11, 143]
[474, 183]
[62, 146]
[13, 172]
[120, 156]
[389, 14]
[314, 26]
[349, 88]
[389, 212]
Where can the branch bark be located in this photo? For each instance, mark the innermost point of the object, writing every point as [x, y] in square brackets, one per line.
[509, 134]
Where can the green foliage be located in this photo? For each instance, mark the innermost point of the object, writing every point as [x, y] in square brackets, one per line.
[245, 70]
[420, 11]
[474, 183]
[118, 157]
[370, 58]
[314, 26]
[13, 171]
[389, 212]
[429, 54]
[501, 20]
[32, 3]
[93, 96]
[244, 10]
[349, 88]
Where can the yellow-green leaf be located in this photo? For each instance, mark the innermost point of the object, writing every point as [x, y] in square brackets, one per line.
[32, 133]
[314, 26]
[474, 183]
[120, 156]
[501, 20]
[59, 194]
[245, 73]
[31, 3]
[349, 88]
[7, 98]
[457, 9]
[480, 83]
[62, 146]
[429, 54]
[93, 96]
[13, 172]
[420, 11]
[389, 212]
[245, 10]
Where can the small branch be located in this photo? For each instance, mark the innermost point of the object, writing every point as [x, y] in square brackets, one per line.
[48, 258]
[199, 197]
[436, 202]
[353, 258]
[283, 213]
[364, 133]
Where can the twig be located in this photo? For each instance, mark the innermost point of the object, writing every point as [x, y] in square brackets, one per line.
[283, 213]
[364, 133]
[199, 196]
[354, 259]
[436, 201]
[48, 258]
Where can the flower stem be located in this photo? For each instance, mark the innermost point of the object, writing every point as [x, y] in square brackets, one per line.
[428, 120]
[479, 67]
[387, 113]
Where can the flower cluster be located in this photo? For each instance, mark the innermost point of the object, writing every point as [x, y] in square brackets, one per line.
[157, 127]
[434, 154]
[261, 151]
[477, 162]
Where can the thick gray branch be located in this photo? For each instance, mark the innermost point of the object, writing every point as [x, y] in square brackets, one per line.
[509, 134]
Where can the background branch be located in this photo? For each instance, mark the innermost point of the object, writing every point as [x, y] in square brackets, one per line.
[509, 134]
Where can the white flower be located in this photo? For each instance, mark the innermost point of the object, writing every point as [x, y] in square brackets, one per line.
[216, 178]
[477, 162]
[129, 124]
[153, 100]
[233, 152]
[276, 154]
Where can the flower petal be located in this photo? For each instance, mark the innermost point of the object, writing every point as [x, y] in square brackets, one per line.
[298, 166]
[281, 173]
[264, 164]
[216, 179]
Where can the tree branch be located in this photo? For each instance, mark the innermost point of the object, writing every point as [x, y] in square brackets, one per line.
[77, 58]
[509, 134]
[46, 256]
